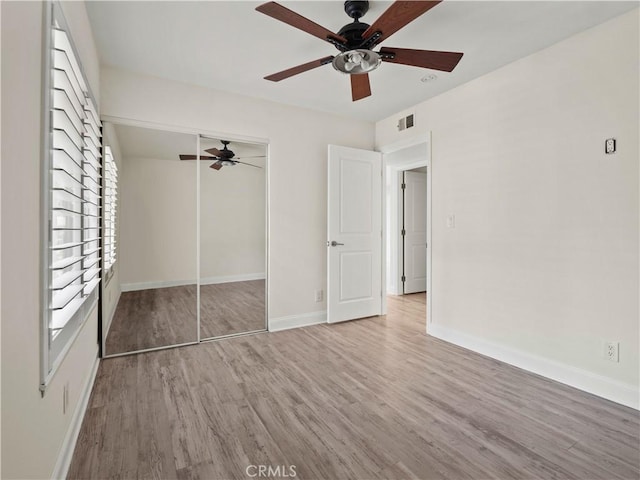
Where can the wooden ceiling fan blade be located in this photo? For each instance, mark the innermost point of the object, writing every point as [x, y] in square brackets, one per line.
[213, 151]
[254, 156]
[360, 86]
[443, 61]
[195, 157]
[397, 16]
[216, 166]
[277, 11]
[290, 72]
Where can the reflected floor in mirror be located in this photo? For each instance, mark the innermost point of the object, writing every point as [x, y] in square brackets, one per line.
[153, 318]
[228, 308]
[167, 316]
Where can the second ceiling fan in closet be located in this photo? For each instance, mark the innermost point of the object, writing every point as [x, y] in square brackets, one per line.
[223, 158]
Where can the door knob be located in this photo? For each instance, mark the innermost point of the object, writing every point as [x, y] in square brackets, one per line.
[334, 243]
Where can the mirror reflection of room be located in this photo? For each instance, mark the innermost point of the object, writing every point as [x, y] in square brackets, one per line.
[232, 237]
[156, 242]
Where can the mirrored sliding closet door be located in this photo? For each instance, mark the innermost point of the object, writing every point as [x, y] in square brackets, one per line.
[232, 237]
[155, 223]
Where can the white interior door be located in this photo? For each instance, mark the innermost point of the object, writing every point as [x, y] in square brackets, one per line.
[415, 232]
[354, 234]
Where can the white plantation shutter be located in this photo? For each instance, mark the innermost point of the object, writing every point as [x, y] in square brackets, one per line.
[110, 208]
[74, 200]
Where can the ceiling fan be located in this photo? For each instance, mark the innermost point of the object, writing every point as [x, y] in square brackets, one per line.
[356, 42]
[223, 158]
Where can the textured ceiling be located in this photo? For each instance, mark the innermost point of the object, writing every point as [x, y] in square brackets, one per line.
[227, 45]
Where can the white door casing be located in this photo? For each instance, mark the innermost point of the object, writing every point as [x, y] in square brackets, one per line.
[415, 228]
[354, 264]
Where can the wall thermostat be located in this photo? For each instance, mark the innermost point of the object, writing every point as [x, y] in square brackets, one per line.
[610, 145]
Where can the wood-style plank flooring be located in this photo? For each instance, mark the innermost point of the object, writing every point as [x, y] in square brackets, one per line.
[167, 316]
[227, 308]
[367, 399]
[153, 318]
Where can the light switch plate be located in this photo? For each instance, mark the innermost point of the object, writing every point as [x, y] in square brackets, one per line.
[451, 221]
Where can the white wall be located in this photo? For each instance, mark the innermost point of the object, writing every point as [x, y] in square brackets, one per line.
[297, 172]
[542, 266]
[232, 223]
[111, 288]
[157, 222]
[33, 428]
[158, 234]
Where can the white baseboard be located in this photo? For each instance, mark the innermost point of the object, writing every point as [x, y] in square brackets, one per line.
[61, 468]
[590, 382]
[132, 287]
[232, 278]
[294, 321]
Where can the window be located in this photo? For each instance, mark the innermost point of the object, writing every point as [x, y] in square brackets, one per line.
[72, 179]
[110, 210]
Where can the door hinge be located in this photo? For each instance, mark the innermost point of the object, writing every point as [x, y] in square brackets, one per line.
[404, 279]
[403, 186]
[403, 232]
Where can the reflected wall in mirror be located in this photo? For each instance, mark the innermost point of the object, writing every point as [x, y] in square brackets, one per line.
[156, 242]
[232, 237]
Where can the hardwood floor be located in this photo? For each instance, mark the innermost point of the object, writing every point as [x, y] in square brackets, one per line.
[153, 318]
[227, 308]
[367, 399]
[167, 316]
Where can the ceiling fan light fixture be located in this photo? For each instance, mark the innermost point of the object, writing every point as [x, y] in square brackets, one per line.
[227, 163]
[357, 61]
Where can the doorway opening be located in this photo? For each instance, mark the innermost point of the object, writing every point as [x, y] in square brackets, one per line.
[407, 226]
[413, 231]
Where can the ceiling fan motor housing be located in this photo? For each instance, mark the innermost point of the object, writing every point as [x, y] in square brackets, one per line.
[225, 153]
[353, 33]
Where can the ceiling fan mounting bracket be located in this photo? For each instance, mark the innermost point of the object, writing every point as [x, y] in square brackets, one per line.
[356, 8]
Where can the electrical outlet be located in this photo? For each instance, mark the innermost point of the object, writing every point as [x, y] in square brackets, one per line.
[611, 351]
[319, 295]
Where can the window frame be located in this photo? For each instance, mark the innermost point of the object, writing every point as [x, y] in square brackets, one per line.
[54, 348]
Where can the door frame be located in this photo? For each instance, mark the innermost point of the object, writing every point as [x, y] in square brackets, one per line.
[391, 170]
